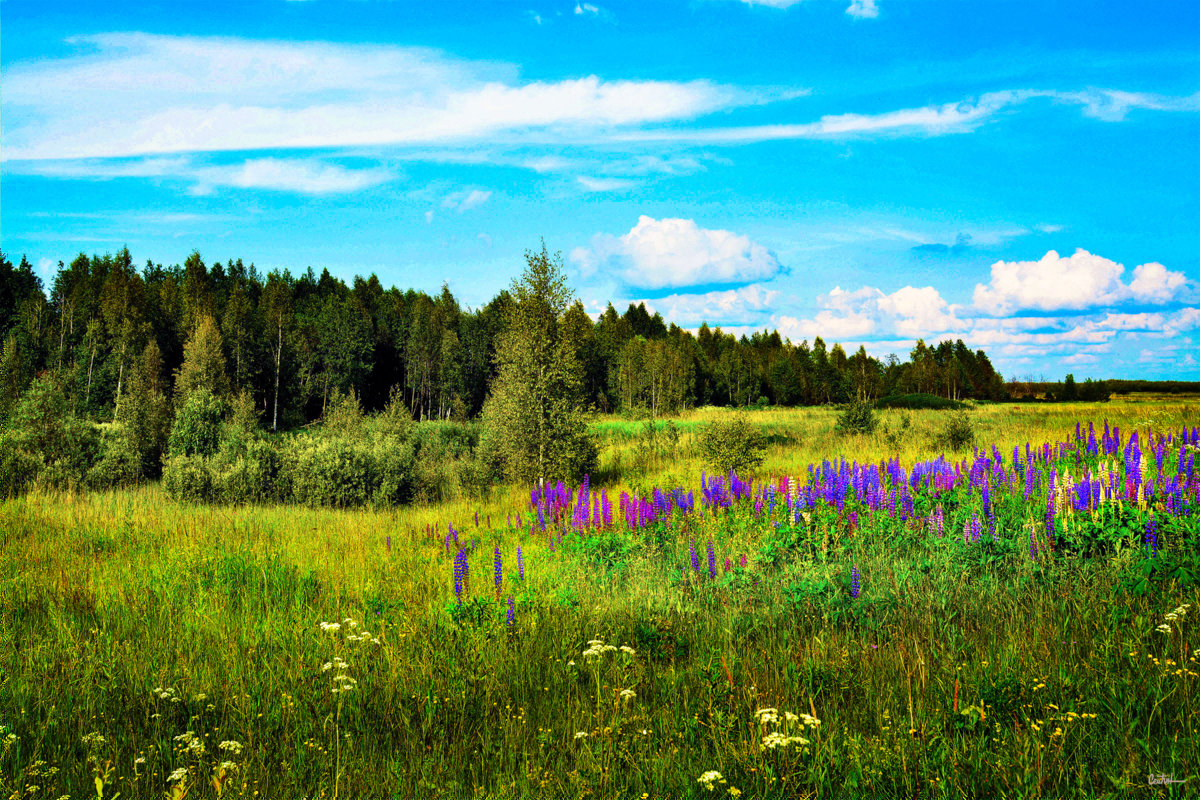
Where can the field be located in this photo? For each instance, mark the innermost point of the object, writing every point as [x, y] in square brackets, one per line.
[821, 639]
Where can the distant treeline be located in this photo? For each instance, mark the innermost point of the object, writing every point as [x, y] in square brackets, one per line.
[292, 343]
[1154, 387]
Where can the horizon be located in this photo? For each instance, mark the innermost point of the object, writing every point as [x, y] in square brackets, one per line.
[1023, 184]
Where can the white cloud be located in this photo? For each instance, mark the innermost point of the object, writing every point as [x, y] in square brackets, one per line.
[303, 175]
[744, 305]
[908, 312]
[1080, 281]
[307, 176]
[466, 199]
[604, 184]
[138, 94]
[864, 9]
[772, 3]
[1154, 283]
[665, 253]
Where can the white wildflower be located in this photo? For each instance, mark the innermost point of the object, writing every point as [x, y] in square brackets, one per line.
[1164, 628]
[628, 694]
[709, 778]
[232, 746]
[331, 627]
[767, 716]
[177, 775]
[580, 734]
[628, 650]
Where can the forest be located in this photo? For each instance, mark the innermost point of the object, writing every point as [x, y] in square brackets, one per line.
[292, 342]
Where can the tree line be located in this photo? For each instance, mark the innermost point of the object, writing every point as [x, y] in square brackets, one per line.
[292, 342]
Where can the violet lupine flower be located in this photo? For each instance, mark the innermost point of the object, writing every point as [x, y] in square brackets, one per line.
[499, 571]
[1152, 537]
[742, 561]
[712, 560]
[510, 616]
[389, 544]
[695, 560]
[520, 563]
[854, 582]
[728, 564]
[460, 574]
[476, 519]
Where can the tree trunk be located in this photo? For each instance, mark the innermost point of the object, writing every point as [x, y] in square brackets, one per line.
[278, 361]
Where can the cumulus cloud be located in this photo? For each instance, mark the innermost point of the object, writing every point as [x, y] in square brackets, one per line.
[1082, 280]
[909, 312]
[658, 254]
[745, 305]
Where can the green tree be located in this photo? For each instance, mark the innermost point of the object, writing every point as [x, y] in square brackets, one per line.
[203, 362]
[533, 413]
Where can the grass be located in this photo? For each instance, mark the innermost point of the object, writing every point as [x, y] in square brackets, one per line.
[959, 671]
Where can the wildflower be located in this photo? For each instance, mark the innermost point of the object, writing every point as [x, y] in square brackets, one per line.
[775, 740]
[628, 694]
[712, 560]
[499, 571]
[767, 716]
[520, 563]
[626, 649]
[695, 559]
[580, 734]
[331, 627]
[511, 613]
[232, 746]
[1152, 537]
[709, 778]
[177, 775]
[570, 663]
[854, 582]
[1164, 628]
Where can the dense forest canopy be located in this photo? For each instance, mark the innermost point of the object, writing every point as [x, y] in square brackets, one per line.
[291, 343]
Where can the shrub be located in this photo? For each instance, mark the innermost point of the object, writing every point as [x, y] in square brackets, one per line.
[959, 432]
[197, 429]
[733, 446]
[858, 417]
[120, 462]
[329, 471]
[919, 402]
[187, 479]
[18, 469]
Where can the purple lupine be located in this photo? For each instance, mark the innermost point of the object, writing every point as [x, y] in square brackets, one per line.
[1152, 537]
[695, 559]
[460, 574]
[728, 564]
[742, 561]
[854, 587]
[520, 563]
[389, 544]
[510, 616]
[498, 575]
[712, 560]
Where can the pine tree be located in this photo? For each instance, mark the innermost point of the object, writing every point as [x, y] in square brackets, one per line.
[534, 413]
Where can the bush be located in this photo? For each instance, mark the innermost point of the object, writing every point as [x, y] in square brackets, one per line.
[329, 471]
[959, 433]
[858, 417]
[733, 446]
[120, 461]
[197, 429]
[18, 469]
[187, 479]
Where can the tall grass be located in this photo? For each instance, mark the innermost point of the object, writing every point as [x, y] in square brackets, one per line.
[952, 675]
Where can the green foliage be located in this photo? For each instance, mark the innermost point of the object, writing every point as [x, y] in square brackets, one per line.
[958, 433]
[732, 445]
[858, 417]
[534, 412]
[204, 367]
[197, 429]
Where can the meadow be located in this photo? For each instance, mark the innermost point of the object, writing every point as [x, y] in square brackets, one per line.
[890, 623]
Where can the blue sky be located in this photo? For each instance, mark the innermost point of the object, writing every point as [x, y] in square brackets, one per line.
[1021, 175]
